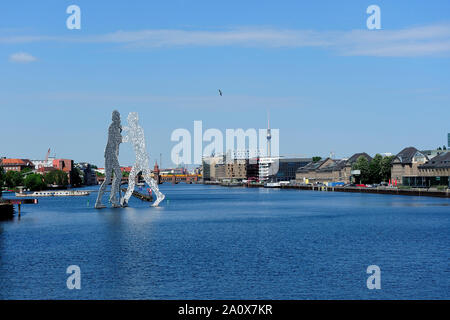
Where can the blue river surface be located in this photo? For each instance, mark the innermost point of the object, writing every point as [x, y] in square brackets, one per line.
[213, 242]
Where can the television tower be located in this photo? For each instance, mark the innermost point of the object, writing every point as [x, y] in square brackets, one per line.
[269, 135]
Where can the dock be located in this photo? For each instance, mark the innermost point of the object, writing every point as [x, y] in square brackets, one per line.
[7, 206]
[140, 196]
[380, 190]
[6, 211]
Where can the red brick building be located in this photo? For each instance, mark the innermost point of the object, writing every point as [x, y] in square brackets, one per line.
[15, 164]
[65, 165]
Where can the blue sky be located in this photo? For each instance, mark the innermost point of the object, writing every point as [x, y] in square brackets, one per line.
[329, 83]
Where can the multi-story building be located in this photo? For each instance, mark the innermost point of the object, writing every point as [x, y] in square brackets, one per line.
[287, 168]
[236, 169]
[15, 164]
[39, 164]
[435, 172]
[344, 170]
[88, 174]
[209, 167]
[406, 165]
[329, 170]
[314, 172]
[253, 169]
[219, 172]
[267, 167]
[65, 165]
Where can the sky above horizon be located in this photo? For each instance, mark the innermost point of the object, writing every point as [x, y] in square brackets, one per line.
[329, 83]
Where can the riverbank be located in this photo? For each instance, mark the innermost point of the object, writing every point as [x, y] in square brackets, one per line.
[378, 190]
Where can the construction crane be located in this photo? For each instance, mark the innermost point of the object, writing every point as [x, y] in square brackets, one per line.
[46, 160]
[46, 156]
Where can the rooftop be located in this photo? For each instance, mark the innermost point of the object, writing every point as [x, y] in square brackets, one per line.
[407, 154]
[441, 161]
[16, 162]
[355, 157]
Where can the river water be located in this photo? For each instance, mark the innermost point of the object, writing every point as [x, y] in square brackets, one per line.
[212, 242]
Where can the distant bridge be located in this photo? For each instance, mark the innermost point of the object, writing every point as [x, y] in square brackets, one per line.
[176, 178]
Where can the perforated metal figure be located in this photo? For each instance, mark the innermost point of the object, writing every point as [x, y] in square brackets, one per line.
[136, 137]
[112, 167]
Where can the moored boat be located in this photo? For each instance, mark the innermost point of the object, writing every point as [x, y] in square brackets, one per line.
[272, 185]
[65, 193]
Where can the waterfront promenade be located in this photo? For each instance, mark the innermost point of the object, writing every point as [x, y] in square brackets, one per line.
[426, 192]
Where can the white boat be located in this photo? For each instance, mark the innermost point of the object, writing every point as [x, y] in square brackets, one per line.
[272, 185]
[65, 193]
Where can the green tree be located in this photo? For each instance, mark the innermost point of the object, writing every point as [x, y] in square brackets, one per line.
[385, 170]
[317, 158]
[76, 177]
[99, 174]
[2, 179]
[375, 169]
[362, 164]
[57, 177]
[26, 170]
[34, 182]
[13, 179]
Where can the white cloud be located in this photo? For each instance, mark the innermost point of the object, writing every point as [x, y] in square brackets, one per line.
[414, 41]
[22, 57]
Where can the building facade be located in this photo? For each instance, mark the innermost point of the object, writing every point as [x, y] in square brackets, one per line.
[329, 170]
[267, 168]
[314, 172]
[406, 165]
[253, 169]
[16, 164]
[435, 172]
[88, 175]
[236, 169]
[209, 167]
[287, 168]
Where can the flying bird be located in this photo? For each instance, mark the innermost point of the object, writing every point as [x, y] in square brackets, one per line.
[220, 92]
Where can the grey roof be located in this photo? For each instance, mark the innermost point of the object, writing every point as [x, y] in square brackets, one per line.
[355, 157]
[340, 164]
[311, 166]
[441, 161]
[406, 155]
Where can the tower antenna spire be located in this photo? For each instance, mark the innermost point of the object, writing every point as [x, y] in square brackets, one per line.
[269, 135]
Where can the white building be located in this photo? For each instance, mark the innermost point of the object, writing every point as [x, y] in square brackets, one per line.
[267, 167]
[100, 170]
[43, 163]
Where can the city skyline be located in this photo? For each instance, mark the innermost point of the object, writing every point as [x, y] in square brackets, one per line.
[329, 84]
